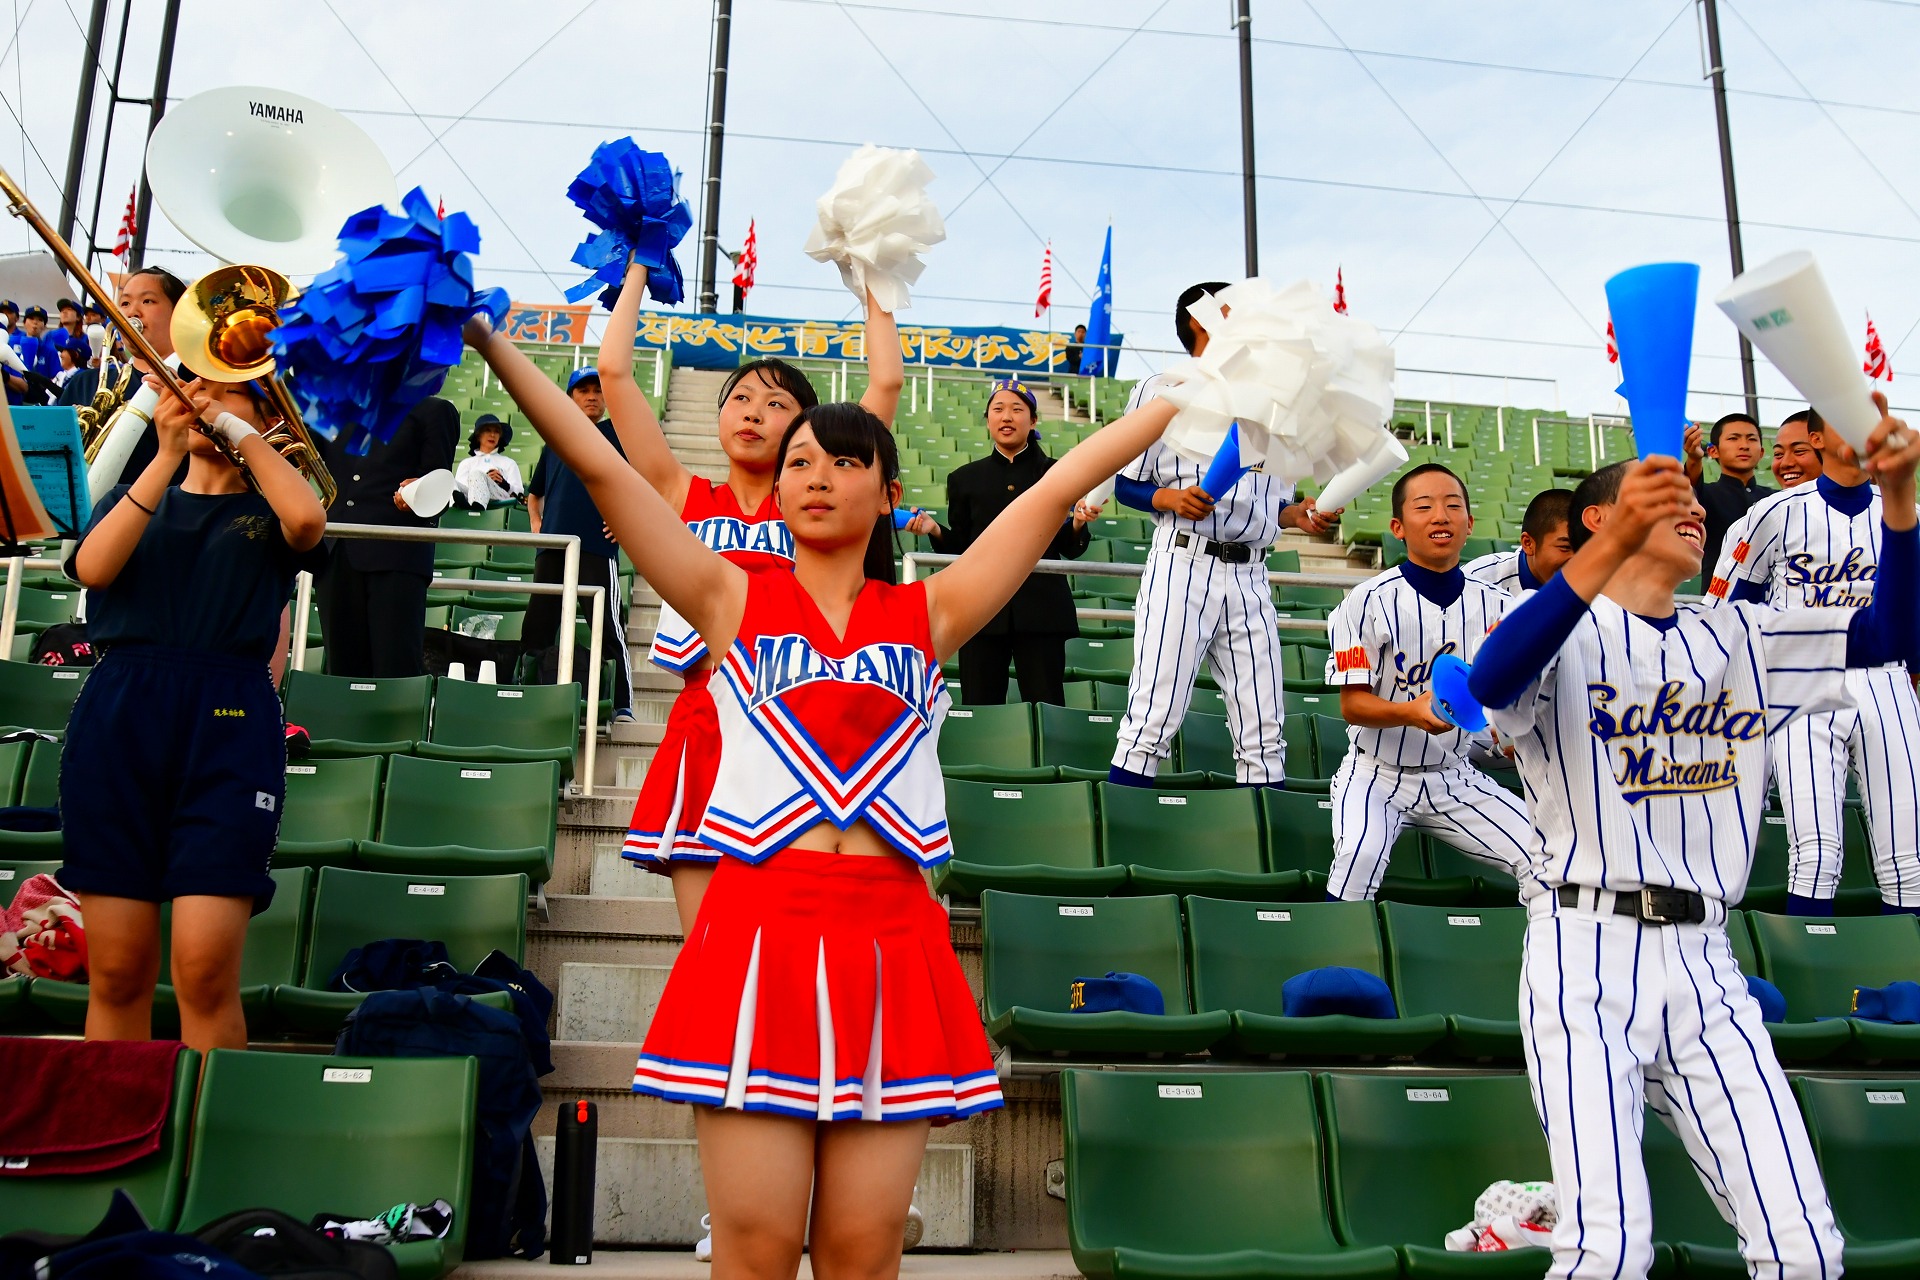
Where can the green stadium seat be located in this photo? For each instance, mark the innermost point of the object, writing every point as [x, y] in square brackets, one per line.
[13, 767]
[1187, 841]
[456, 818]
[74, 1204]
[1865, 1133]
[16, 872]
[1024, 839]
[472, 915]
[491, 519]
[1685, 1217]
[1463, 962]
[516, 558]
[998, 736]
[1299, 831]
[1329, 742]
[368, 1133]
[1243, 951]
[40, 782]
[1036, 946]
[332, 804]
[458, 555]
[1817, 963]
[1093, 659]
[1298, 730]
[354, 717]
[504, 724]
[1201, 1177]
[1083, 739]
[1293, 594]
[1033, 776]
[1794, 1043]
[37, 697]
[269, 955]
[1206, 743]
[1406, 1158]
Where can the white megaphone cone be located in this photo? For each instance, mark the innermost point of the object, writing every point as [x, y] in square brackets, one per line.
[428, 496]
[1101, 494]
[1381, 461]
[1784, 308]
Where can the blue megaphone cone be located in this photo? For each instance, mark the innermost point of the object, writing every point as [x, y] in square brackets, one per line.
[1652, 308]
[1451, 697]
[1226, 469]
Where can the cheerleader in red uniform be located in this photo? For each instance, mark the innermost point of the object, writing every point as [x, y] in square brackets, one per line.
[739, 520]
[818, 992]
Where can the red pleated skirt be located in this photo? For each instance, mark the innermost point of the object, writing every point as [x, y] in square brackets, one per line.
[822, 986]
[679, 782]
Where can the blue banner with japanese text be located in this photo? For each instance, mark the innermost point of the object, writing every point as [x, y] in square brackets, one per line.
[724, 341]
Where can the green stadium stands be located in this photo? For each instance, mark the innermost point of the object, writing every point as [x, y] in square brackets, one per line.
[1083, 739]
[1183, 841]
[1237, 1188]
[1024, 839]
[368, 1133]
[999, 737]
[332, 804]
[1817, 964]
[1865, 1133]
[504, 724]
[355, 717]
[451, 817]
[1463, 962]
[37, 697]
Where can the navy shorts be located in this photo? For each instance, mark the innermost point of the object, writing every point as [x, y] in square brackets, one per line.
[173, 776]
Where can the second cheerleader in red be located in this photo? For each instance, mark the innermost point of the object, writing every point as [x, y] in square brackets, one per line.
[817, 1014]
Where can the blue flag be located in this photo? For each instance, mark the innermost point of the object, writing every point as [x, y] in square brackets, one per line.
[1100, 319]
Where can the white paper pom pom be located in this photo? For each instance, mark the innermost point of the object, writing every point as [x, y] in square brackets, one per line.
[874, 222]
[1312, 389]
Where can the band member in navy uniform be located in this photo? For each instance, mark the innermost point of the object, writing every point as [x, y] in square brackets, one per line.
[176, 751]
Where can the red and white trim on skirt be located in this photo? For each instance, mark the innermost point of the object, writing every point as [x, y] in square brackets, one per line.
[665, 827]
[821, 986]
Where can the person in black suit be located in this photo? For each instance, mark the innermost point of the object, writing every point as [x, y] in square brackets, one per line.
[373, 595]
[1032, 631]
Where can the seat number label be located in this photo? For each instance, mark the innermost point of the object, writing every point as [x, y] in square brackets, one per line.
[1008, 795]
[427, 890]
[1326, 804]
[362, 688]
[6, 873]
[347, 1075]
[958, 714]
[1099, 719]
[1180, 1091]
[1429, 1095]
[303, 768]
[1075, 911]
[1887, 1097]
[1277, 917]
[1172, 799]
[509, 693]
[66, 675]
[484, 774]
[1470, 921]
[1821, 928]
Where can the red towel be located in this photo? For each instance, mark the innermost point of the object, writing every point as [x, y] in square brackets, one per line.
[81, 1106]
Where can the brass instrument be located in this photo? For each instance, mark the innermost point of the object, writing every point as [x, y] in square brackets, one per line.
[304, 458]
[220, 330]
[96, 416]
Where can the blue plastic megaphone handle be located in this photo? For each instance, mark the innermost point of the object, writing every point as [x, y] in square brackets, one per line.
[1452, 700]
[1652, 307]
[1225, 470]
[903, 515]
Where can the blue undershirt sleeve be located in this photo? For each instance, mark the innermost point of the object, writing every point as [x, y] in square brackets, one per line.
[1519, 649]
[1137, 494]
[1750, 591]
[1888, 630]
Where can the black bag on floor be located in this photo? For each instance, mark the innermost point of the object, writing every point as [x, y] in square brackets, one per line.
[507, 1203]
[278, 1247]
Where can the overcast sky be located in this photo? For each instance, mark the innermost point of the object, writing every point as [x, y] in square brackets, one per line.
[1393, 139]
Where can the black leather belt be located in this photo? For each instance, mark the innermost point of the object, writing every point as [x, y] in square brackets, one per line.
[1226, 552]
[1648, 906]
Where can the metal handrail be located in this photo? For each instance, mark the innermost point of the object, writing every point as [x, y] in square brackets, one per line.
[911, 562]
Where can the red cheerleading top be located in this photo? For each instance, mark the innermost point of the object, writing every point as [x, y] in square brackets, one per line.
[750, 540]
[816, 727]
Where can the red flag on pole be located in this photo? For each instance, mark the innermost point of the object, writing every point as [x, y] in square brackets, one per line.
[1877, 365]
[749, 259]
[1340, 290]
[123, 243]
[1613, 347]
[440, 209]
[1045, 298]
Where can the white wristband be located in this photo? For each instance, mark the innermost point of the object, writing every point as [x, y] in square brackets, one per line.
[232, 429]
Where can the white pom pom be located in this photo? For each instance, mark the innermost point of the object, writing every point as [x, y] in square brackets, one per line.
[1311, 388]
[97, 340]
[874, 222]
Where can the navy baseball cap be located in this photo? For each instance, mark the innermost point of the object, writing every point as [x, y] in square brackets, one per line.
[34, 313]
[586, 373]
[1336, 989]
[1773, 1005]
[1895, 1002]
[1116, 993]
[10, 305]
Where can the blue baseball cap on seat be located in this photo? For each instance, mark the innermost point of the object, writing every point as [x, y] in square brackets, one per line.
[1773, 1005]
[1116, 993]
[585, 373]
[1895, 1002]
[1336, 989]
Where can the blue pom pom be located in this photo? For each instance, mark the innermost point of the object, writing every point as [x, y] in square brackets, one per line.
[633, 196]
[375, 333]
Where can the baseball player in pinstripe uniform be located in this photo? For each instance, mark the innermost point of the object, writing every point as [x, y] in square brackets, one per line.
[1405, 764]
[1643, 733]
[1818, 547]
[1205, 598]
[1544, 547]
